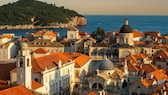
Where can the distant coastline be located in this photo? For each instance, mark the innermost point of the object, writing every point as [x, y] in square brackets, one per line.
[110, 23]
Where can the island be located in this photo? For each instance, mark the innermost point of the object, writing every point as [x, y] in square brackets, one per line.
[33, 14]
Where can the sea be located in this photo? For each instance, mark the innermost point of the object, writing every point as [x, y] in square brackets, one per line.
[111, 23]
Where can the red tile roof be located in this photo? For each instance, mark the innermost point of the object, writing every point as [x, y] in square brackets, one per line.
[136, 58]
[80, 59]
[3, 85]
[49, 61]
[40, 50]
[132, 68]
[148, 68]
[92, 93]
[83, 33]
[5, 70]
[147, 82]
[138, 34]
[161, 56]
[159, 75]
[17, 90]
[36, 85]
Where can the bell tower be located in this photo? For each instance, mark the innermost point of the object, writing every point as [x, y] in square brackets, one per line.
[23, 66]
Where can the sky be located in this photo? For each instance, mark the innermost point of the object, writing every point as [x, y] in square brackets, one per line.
[111, 7]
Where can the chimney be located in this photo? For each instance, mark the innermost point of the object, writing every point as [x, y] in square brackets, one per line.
[59, 64]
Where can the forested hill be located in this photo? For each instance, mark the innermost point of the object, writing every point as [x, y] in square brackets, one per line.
[33, 11]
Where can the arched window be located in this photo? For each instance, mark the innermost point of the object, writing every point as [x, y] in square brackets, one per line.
[94, 85]
[100, 86]
[28, 63]
[21, 62]
[124, 84]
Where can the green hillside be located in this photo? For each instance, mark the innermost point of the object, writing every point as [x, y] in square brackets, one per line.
[23, 11]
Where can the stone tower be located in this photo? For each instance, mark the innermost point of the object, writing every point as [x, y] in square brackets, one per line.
[23, 66]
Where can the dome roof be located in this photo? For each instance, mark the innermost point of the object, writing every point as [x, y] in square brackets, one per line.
[106, 65]
[126, 28]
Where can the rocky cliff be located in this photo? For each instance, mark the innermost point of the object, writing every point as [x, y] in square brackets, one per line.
[74, 21]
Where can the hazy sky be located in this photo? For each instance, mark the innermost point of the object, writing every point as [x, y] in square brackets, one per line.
[114, 7]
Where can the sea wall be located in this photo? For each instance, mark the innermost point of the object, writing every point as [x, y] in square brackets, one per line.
[74, 21]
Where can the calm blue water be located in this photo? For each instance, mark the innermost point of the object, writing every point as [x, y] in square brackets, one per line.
[111, 23]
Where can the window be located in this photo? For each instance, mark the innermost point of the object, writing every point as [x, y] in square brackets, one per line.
[134, 94]
[21, 62]
[36, 80]
[76, 74]
[28, 63]
[76, 85]
[167, 63]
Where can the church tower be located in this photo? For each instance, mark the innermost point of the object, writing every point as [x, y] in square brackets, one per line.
[126, 34]
[23, 66]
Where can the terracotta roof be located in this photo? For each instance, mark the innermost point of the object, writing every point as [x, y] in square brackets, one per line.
[44, 43]
[6, 36]
[147, 82]
[72, 29]
[136, 58]
[5, 70]
[49, 33]
[83, 33]
[165, 37]
[40, 50]
[17, 90]
[139, 43]
[91, 93]
[148, 68]
[161, 56]
[138, 34]
[40, 32]
[5, 45]
[36, 85]
[49, 61]
[151, 33]
[3, 85]
[159, 75]
[80, 59]
[132, 68]
[25, 40]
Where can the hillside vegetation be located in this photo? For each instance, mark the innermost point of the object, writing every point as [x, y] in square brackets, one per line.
[32, 11]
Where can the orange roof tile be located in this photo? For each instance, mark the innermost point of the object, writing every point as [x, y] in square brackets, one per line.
[40, 32]
[49, 61]
[17, 90]
[139, 43]
[161, 56]
[40, 50]
[147, 82]
[92, 93]
[83, 33]
[148, 68]
[135, 58]
[138, 34]
[3, 85]
[6, 36]
[36, 85]
[80, 59]
[132, 68]
[159, 75]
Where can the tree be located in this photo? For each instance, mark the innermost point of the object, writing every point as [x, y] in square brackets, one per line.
[99, 34]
